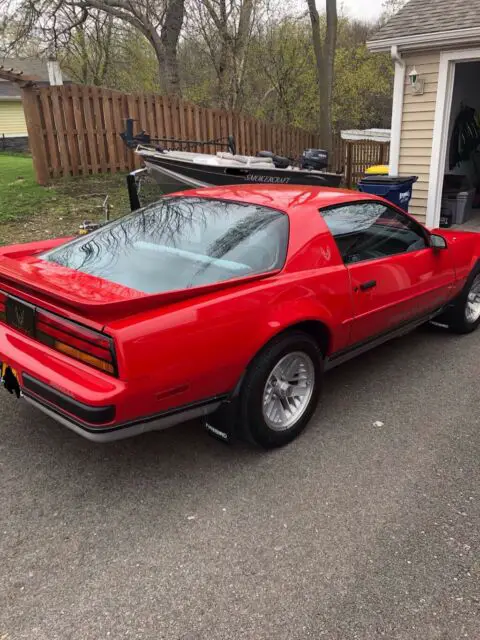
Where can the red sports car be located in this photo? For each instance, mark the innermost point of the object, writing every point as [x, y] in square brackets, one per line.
[223, 302]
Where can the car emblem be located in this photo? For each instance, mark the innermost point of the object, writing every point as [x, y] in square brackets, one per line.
[20, 316]
[326, 253]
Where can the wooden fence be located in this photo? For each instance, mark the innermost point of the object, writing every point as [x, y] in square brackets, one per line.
[75, 129]
[354, 158]
[360, 155]
[338, 155]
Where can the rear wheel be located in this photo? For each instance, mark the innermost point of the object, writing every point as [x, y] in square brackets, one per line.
[464, 317]
[281, 390]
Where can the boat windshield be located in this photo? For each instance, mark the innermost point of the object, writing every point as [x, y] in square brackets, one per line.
[181, 242]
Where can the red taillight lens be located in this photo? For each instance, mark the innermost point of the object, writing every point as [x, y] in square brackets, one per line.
[3, 311]
[76, 341]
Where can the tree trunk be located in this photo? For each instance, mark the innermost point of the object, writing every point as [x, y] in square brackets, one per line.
[329, 47]
[167, 65]
[105, 62]
[224, 72]
[325, 59]
[228, 43]
[170, 34]
[83, 55]
[156, 43]
[171, 74]
[241, 45]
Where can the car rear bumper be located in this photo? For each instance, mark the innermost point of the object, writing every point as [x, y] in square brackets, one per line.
[90, 403]
[128, 430]
[92, 415]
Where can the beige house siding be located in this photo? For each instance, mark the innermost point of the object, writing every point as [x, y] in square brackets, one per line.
[12, 118]
[417, 128]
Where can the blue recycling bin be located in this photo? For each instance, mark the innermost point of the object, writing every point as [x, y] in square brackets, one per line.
[396, 189]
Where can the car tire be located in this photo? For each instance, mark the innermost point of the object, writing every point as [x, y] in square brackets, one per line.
[281, 389]
[464, 316]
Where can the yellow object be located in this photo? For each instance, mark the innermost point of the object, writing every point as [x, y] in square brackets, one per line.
[5, 366]
[12, 118]
[83, 357]
[377, 170]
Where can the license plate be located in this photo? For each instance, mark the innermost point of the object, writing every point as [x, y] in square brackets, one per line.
[20, 316]
[9, 379]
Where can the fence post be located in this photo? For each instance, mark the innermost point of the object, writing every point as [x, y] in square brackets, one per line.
[35, 134]
[383, 149]
[348, 168]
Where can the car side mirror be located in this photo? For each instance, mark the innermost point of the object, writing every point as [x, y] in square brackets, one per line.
[438, 242]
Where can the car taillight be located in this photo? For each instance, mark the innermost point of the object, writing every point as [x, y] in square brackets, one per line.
[3, 310]
[73, 340]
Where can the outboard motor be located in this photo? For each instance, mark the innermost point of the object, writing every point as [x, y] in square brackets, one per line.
[314, 159]
[232, 145]
[280, 162]
[131, 140]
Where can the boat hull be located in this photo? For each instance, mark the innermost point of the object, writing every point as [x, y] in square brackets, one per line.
[172, 175]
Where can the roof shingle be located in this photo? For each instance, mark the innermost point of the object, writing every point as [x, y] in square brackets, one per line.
[35, 67]
[9, 90]
[419, 17]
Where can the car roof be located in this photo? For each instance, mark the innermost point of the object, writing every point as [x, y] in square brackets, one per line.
[282, 196]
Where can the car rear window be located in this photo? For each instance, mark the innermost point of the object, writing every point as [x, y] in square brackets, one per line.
[181, 242]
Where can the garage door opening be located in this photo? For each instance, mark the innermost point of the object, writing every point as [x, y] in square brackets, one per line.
[460, 202]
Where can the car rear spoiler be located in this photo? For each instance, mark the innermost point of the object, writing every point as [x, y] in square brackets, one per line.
[17, 277]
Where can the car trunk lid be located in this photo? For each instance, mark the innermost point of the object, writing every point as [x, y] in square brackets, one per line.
[25, 274]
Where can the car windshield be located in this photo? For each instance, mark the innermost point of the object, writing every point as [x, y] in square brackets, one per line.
[181, 242]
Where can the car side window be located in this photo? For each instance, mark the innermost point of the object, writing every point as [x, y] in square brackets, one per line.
[371, 230]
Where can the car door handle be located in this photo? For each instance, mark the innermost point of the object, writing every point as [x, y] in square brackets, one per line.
[368, 285]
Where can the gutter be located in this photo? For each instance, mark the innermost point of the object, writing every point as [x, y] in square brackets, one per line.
[433, 40]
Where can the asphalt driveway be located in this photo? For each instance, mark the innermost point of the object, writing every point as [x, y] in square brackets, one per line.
[354, 531]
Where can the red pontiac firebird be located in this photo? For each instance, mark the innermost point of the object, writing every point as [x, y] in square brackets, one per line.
[227, 303]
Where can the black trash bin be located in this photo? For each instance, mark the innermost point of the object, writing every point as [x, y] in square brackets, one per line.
[397, 189]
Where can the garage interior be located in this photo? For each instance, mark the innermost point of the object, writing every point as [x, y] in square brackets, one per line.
[461, 186]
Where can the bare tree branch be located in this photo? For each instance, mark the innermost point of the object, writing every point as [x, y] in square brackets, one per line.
[159, 21]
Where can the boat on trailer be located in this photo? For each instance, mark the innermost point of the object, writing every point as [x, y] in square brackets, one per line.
[202, 169]
[177, 168]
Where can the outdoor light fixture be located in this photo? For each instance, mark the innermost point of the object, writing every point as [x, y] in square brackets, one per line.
[416, 82]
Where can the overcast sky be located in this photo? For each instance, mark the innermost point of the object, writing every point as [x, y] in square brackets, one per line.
[366, 9]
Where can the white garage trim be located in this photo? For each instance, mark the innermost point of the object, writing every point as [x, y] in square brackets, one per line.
[397, 115]
[446, 78]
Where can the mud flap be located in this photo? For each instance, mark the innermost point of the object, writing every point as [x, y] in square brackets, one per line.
[222, 425]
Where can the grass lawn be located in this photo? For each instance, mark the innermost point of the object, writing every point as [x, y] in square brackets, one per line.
[31, 212]
[19, 193]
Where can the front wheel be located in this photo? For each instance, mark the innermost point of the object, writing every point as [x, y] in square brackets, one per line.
[464, 317]
[281, 390]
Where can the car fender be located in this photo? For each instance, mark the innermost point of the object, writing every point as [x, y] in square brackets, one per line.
[464, 247]
[467, 282]
[299, 310]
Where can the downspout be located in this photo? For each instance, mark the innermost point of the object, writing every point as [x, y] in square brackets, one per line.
[397, 109]
[396, 57]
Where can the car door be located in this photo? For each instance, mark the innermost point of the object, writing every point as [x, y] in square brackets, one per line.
[395, 276]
